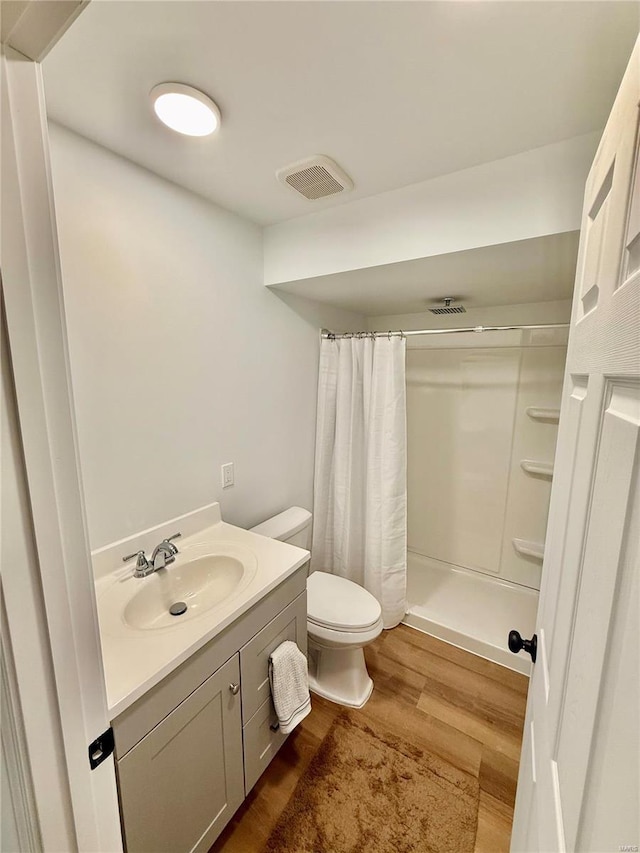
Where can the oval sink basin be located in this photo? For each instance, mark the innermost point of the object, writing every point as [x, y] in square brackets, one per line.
[200, 578]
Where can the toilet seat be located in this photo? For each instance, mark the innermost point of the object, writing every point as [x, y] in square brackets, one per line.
[338, 604]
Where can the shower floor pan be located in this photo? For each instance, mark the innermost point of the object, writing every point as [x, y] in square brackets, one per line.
[470, 610]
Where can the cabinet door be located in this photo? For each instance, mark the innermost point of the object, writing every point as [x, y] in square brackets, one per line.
[181, 784]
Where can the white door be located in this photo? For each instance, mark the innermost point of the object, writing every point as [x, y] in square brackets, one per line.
[578, 786]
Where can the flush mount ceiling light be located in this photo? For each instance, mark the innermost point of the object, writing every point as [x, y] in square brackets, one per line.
[185, 109]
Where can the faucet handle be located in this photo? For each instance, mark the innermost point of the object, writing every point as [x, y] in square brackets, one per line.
[168, 541]
[141, 561]
[143, 566]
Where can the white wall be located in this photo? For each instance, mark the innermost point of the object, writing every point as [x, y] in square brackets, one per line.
[181, 360]
[528, 195]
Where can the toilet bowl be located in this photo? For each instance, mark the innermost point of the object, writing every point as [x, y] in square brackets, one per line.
[342, 618]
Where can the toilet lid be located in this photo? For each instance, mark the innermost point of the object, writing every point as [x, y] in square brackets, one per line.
[336, 602]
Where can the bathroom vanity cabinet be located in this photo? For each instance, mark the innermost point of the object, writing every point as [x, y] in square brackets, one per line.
[191, 749]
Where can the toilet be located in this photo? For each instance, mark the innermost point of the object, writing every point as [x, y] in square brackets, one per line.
[342, 618]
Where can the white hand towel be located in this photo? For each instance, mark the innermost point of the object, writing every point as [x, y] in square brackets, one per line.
[289, 685]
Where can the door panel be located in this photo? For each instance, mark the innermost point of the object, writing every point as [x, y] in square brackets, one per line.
[616, 470]
[611, 802]
[558, 541]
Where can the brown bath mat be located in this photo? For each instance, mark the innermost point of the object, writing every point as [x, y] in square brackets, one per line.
[370, 792]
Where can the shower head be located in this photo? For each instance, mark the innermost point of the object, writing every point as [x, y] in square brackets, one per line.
[448, 307]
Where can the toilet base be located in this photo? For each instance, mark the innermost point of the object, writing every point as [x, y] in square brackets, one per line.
[340, 675]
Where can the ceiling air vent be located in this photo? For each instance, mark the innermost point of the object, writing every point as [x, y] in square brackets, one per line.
[448, 307]
[315, 178]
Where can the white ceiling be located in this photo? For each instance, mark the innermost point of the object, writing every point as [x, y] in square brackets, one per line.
[397, 92]
[537, 270]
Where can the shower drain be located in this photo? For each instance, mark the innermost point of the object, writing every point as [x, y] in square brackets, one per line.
[178, 608]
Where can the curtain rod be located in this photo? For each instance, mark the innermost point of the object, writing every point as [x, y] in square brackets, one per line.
[325, 333]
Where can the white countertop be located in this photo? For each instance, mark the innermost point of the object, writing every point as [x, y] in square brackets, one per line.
[135, 660]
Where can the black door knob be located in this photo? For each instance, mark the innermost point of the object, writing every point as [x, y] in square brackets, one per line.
[517, 644]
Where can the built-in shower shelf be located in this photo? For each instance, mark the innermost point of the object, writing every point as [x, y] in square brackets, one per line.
[542, 469]
[529, 549]
[539, 413]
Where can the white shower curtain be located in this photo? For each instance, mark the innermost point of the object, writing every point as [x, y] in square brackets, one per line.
[360, 493]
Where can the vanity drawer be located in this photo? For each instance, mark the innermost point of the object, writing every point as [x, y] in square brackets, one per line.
[290, 624]
[261, 743]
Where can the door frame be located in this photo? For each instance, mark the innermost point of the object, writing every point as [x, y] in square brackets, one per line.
[53, 512]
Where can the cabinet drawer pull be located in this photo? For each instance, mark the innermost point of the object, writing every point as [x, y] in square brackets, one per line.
[234, 688]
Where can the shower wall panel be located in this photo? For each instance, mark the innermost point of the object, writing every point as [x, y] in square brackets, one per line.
[460, 411]
[468, 432]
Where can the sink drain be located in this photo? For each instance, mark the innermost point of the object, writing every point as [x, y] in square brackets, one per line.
[178, 608]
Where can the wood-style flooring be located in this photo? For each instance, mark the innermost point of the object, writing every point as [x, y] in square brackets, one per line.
[464, 708]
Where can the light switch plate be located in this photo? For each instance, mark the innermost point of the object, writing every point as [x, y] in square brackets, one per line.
[227, 475]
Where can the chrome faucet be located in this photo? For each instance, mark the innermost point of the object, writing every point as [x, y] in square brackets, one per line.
[163, 555]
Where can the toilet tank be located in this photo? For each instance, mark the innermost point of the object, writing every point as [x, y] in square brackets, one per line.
[292, 526]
